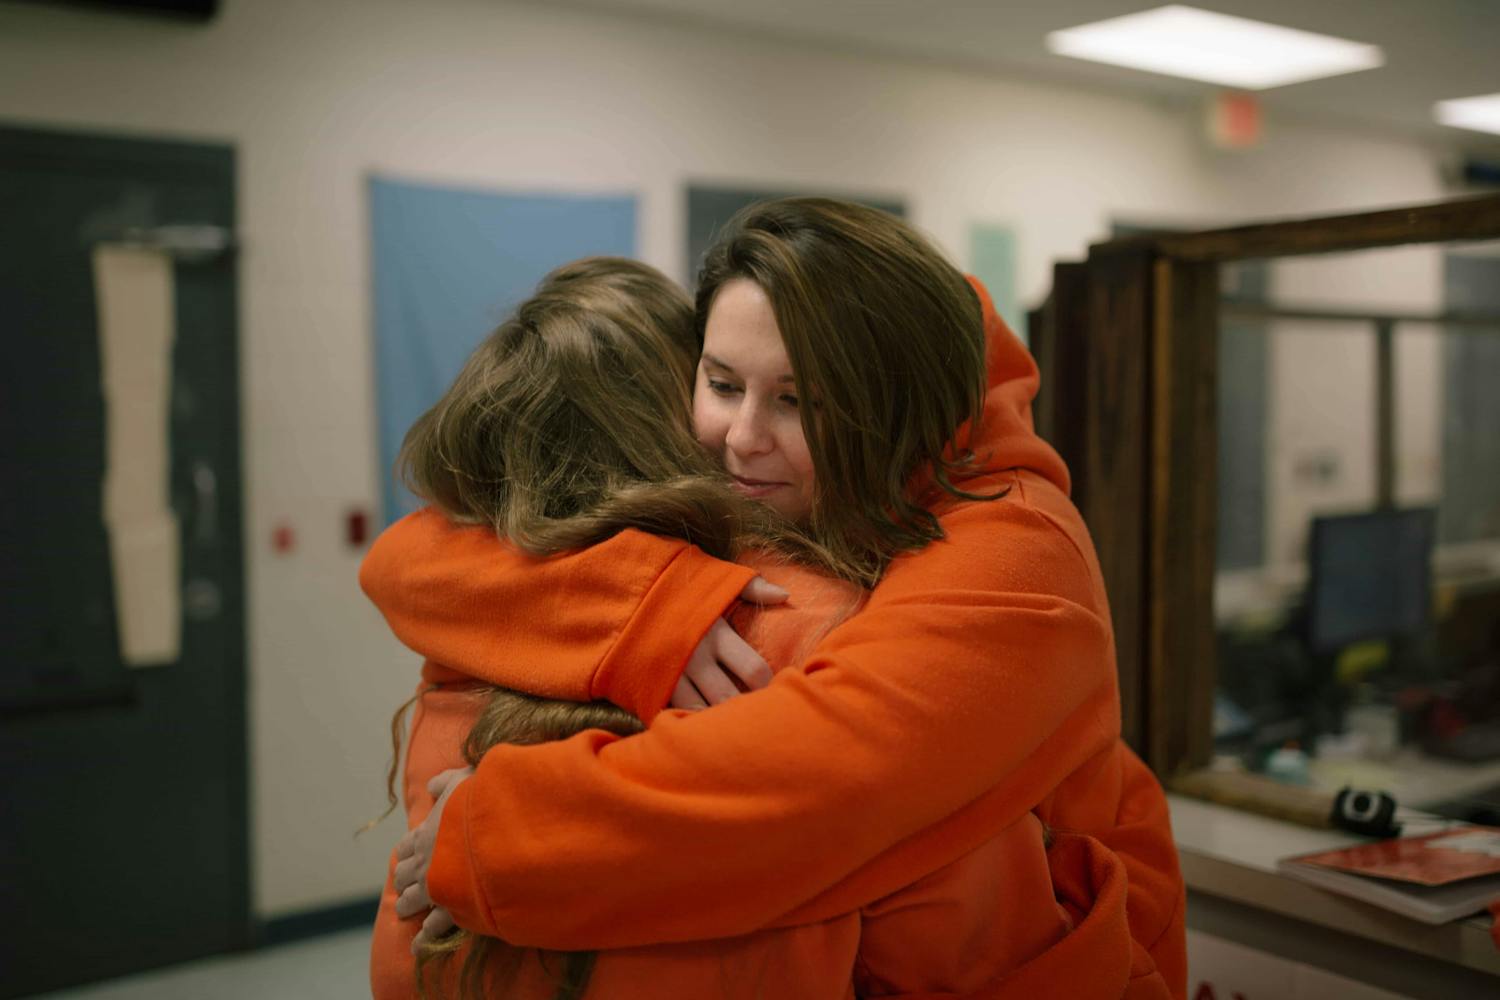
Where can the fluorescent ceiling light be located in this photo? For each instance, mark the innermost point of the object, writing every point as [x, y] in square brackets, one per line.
[1233, 51]
[1482, 114]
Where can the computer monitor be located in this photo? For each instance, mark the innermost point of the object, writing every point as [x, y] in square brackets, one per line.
[1370, 577]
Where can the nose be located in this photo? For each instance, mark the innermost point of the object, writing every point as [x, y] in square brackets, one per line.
[750, 431]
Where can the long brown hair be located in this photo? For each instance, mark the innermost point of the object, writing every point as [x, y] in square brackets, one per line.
[572, 421]
[886, 339]
[568, 424]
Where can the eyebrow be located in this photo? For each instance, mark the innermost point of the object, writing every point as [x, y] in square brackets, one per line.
[720, 364]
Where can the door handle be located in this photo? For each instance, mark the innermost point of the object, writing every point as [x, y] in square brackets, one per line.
[201, 598]
[206, 503]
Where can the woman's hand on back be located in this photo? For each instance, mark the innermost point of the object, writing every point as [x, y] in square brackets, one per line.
[414, 858]
[723, 665]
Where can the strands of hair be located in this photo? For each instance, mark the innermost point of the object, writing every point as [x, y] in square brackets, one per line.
[489, 964]
[572, 422]
[888, 338]
[568, 424]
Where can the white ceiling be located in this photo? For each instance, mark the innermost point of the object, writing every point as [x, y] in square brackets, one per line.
[1435, 49]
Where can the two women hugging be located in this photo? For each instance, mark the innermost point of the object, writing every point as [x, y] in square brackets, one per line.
[765, 654]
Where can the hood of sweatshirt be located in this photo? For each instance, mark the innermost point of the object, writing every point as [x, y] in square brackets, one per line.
[1006, 436]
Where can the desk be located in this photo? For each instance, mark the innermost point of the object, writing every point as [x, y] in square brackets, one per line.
[1235, 893]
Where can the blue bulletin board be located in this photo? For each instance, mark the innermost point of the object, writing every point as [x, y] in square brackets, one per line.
[449, 264]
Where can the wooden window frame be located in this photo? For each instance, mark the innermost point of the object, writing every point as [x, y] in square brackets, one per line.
[1127, 344]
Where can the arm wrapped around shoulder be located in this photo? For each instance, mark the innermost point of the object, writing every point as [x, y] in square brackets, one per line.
[980, 674]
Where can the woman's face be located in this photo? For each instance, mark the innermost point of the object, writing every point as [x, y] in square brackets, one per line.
[745, 402]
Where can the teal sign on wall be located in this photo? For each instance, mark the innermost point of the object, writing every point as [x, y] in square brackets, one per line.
[992, 259]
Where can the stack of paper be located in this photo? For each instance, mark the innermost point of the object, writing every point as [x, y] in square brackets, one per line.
[1434, 878]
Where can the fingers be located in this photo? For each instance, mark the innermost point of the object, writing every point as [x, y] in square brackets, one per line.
[704, 673]
[738, 657]
[721, 657]
[413, 901]
[406, 847]
[710, 679]
[406, 873]
[763, 591]
[443, 780]
[438, 923]
[684, 695]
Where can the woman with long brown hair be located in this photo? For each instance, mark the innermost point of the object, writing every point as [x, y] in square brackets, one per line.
[567, 427]
[976, 686]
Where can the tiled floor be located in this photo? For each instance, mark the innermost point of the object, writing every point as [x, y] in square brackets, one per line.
[334, 967]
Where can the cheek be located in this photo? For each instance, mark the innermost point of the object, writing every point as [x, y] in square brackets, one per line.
[799, 456]
[709, 426]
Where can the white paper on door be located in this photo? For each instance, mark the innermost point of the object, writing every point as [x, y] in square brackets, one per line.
[133, 287]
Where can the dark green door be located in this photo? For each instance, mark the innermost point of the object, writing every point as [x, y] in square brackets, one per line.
[123, 822]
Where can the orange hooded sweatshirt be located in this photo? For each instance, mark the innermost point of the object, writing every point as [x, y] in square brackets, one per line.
[978, 684]
[970, 924]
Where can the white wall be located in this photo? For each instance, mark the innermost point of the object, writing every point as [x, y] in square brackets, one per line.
[1323, 391]
[315, 96]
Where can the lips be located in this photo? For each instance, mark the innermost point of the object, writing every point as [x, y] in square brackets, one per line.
[755, 487]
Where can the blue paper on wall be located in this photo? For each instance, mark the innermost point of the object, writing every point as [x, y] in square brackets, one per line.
[449, 265]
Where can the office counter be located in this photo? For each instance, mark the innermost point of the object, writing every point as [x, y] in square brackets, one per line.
[1235, 894]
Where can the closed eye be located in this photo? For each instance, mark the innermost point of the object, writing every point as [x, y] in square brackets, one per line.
[722, 388]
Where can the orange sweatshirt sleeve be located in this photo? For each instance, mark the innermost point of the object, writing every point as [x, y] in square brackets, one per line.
[978, 676]
[516, 621]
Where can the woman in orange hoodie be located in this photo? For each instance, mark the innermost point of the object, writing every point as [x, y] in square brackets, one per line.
[977, 685]
[567, 425]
